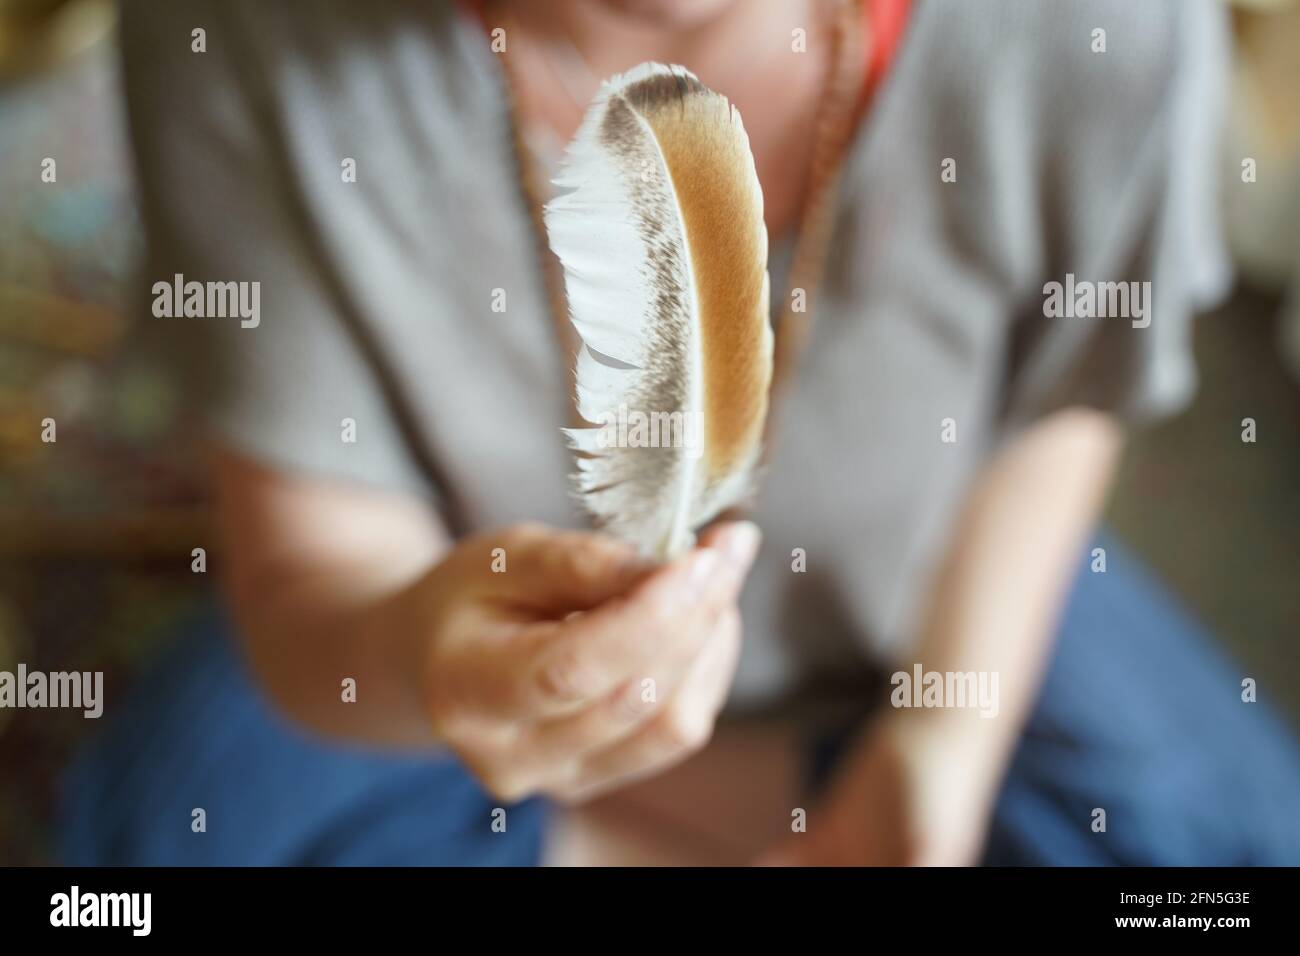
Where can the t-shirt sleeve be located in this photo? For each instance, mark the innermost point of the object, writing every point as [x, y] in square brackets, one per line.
[1152, 253]
[219, 204]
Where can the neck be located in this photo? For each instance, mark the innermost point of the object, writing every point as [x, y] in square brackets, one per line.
[612, 38]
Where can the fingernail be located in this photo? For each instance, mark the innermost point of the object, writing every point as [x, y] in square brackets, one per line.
[704, 565]
[633, 564]
[742, 543]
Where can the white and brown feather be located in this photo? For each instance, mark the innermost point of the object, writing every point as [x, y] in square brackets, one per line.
[665, 256]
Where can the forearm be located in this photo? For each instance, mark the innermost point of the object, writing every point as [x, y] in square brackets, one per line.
[322, 580]
[1005, 575]
[340, 664]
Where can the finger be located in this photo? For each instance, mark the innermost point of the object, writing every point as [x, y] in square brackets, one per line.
[709, 680]
[617, 715]
[652, 633]
[654, 630]
[561, 668]
[680, 730]
[564, 741]
[734, 538]
[538, 570]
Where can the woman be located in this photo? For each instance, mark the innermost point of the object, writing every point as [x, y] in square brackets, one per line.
[391, 481]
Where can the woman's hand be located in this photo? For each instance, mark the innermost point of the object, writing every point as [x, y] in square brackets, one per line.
[916, 790]
[920, 786]
[557, 662]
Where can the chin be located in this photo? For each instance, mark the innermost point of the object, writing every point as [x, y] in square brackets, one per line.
[681, 14]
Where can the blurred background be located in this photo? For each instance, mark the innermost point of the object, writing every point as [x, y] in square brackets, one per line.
[96, 528]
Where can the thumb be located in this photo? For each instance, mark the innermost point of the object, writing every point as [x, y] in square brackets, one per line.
[543, 572]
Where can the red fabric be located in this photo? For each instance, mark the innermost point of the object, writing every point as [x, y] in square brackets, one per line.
[883, 25]
[475, 9]
[883, 22]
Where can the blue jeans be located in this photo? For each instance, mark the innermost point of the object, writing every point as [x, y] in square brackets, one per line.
[1139, 715]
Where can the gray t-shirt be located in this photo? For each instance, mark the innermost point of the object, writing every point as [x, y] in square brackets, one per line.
[380, 299]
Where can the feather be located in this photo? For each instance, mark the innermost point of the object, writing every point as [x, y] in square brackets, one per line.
[659, 228]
